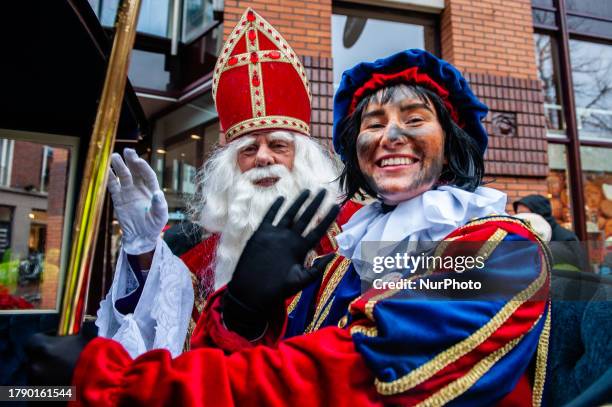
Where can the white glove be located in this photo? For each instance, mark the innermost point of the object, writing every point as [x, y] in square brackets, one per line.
[140, 205]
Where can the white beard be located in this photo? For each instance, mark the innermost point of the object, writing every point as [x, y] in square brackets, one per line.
[231, 205]
[248, 206]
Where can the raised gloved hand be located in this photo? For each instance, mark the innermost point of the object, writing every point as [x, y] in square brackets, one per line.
[139, 203]
[271, 266]
[52, 359]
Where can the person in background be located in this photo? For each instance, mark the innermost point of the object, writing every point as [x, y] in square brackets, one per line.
[537, 223]
[541, 205]
[568, 254]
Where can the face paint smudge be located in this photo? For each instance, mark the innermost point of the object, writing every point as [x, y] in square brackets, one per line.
[366, 144]
[396, 134]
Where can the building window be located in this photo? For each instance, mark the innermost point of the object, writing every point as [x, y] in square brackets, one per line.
[365, 34]
[592, 77]
[154, 17]
[33, 217]
[197, 17]
[548, 73]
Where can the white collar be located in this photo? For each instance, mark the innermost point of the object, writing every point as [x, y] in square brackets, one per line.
[428, 217]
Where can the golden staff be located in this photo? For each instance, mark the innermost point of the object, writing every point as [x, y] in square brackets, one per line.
[91, 196]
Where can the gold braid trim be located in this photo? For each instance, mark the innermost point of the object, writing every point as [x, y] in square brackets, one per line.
[227, 49]
[429, 369]
[294, 303]
[541, 362]
[267, 122]
[323, 315]
[489, 246]
[337, 275]
[371, 331]
[461, 385]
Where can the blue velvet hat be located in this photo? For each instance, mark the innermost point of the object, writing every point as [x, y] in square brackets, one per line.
[417, 67]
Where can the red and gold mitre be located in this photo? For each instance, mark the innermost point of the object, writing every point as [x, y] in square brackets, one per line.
[259, 82]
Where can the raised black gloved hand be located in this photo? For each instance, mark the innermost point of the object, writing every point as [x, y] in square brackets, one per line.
[52, 359]
[271, 267]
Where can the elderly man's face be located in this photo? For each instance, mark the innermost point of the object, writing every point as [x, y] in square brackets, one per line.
[400, 147]
[266, 149]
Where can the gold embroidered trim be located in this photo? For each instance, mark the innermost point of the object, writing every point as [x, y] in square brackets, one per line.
[343, 321]
[332, 284]
[461, 385]
[323, 315]
[258, 100]
[333, 231]
[365, 330]
[245, 59]
[294, 303]
[490, 245]
[541, 362]
[268, 122]
[443, 359]
[228, 48]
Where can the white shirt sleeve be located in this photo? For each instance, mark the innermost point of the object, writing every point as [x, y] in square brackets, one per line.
[161, 317]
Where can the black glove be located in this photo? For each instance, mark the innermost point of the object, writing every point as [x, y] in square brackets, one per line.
[271, 266]
[52, 359]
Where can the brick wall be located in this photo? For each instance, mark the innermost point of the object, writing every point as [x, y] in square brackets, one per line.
[489, 36]
[319, 71]
[305, 25]
[27, 165]
[517, 187]
[515, 123]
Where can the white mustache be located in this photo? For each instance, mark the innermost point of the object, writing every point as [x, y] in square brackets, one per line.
[272, 171]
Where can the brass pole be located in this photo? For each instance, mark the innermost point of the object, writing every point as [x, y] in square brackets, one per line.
[91, 196]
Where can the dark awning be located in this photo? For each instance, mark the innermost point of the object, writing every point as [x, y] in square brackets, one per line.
[53, 57]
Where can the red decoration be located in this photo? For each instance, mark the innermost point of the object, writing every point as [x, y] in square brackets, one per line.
[232, 61]
[250, 16]
[254, 57]
[252, 35]
[274, 55]
[255, 81]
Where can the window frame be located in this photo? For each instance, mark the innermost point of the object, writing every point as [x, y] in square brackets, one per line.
[430, 21]
[72, 144]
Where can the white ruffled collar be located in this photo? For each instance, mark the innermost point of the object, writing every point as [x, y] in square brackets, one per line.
[428, 217]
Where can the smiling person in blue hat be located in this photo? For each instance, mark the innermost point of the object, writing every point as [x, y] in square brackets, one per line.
[408, 130]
